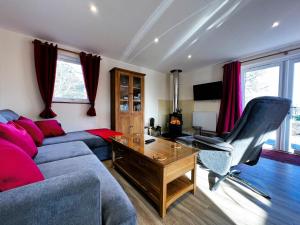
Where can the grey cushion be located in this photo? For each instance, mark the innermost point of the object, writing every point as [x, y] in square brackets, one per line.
[91, 140]
[211, 143]
[217, 161]
[187, 140]
[116, 207]
[3, 120]
[49, 153]
[213, 154]
[9, 115]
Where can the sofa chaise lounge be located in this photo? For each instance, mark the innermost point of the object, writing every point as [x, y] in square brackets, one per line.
[77, 190]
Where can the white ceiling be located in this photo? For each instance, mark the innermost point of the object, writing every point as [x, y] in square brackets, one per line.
[211, 31]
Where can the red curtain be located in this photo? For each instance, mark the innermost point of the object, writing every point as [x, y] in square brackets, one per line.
[231, 103]
[90, 67]
[45, 56]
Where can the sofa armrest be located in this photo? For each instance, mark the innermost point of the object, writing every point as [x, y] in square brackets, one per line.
[208, 143]
[68, 199]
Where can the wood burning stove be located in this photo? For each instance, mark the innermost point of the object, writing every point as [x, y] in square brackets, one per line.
[175, 125]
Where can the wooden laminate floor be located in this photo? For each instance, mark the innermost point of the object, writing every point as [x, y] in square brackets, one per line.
[231, 203]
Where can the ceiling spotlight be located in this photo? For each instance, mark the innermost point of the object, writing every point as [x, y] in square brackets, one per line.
[189, 56]
[156, 40]
[93, 8]
[275, 24]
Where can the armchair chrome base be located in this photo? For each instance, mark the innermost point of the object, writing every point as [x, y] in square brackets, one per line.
[233, 175]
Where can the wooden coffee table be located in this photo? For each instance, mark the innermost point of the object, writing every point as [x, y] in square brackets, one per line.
[158, 168]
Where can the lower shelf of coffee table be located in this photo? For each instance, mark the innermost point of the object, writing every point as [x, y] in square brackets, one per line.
[150, 184]
[177, 188]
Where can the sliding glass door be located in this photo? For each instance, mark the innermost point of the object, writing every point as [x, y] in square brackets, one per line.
[280, 77]
[263, 81]
[294, 118]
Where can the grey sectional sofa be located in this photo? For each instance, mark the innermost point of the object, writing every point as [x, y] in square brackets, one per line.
[77, 190]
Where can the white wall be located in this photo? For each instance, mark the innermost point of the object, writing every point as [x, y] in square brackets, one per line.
[200, 76]
[203, 75]
[19, 90]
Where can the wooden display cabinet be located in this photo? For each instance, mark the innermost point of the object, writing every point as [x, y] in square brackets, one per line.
[127, 101]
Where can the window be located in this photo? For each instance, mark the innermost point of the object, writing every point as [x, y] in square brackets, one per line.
[69, 82]
[261, 82]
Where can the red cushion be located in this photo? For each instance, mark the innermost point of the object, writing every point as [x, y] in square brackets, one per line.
[16, 167]
[16, 134]
[50, 128]
[32, 129]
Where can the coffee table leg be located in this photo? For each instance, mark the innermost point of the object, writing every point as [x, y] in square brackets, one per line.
[194, 176]
[163, 195]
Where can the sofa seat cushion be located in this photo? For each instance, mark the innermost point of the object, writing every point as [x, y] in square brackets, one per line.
[50, 153]
[103, 152]
[91, 140]
[116, 207]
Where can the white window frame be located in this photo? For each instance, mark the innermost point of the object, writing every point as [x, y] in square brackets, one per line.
[70, 59]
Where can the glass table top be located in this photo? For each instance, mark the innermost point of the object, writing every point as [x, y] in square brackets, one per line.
[161, 151]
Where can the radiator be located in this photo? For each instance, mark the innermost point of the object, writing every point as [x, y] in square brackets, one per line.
[206, 120]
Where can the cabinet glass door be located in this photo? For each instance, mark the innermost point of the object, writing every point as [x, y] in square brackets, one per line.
[137, 97]
[124, 93]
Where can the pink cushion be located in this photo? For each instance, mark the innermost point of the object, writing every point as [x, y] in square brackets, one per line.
[17, 135]
[16, 167]
[50, 128]
[32, 129]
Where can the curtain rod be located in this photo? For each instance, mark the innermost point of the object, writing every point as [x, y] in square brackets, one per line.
[70, 51]
[76, 53]
[67, 50]
[273, 54]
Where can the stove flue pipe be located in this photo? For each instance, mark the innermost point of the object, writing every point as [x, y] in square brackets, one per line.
[175, 89]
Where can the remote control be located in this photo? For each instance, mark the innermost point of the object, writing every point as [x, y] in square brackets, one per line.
[149, 141]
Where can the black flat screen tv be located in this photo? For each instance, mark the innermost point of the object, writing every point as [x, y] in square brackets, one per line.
[208, 91]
